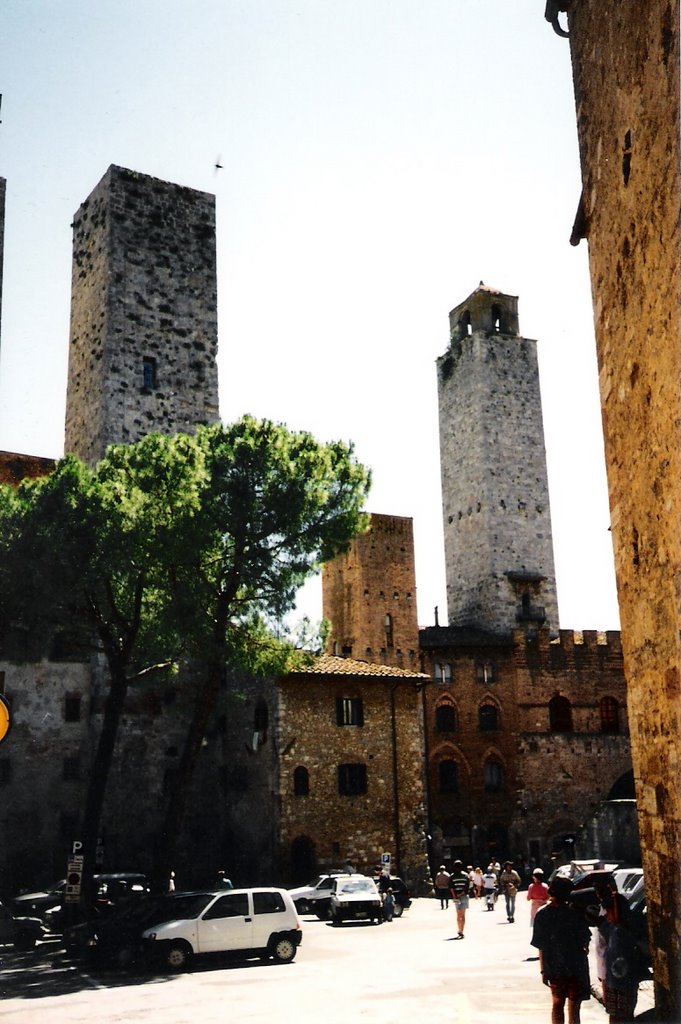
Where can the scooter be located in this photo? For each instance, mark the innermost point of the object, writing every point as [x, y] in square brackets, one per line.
[491, 898]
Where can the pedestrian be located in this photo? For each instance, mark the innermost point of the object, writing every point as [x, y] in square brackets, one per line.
[171, 882]
[477, 882]
[442, 886]
[388, 905]
[537, 893]
[223, 881]
[561, 935]
[509, 880]
[489, 888]
[617, 954]
[458, 887]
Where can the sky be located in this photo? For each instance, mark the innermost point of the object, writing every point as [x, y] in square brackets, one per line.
[379, 158]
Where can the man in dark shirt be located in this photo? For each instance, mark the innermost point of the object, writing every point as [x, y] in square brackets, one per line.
[562, 937]
[458, 886]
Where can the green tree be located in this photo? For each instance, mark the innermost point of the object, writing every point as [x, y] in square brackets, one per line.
[276, 504]
[190, 549]
[79, 553]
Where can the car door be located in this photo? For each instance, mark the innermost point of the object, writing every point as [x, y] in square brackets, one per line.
[270, 915]
[226, 924]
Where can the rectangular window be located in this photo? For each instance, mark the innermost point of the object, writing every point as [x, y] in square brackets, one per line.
[485, 672]
[352, 779]
[349, 711]
[72, 708]
[443, 673]
[149, 373]
[268, 903]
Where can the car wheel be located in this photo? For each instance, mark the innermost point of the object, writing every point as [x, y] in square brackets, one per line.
[301, 906]
[398, 910]
[177, 956]
[25, 941]
[284, 949]
[323, 912]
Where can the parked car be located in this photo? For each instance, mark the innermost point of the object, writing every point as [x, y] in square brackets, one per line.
[355, 898]
[261, 922]
[626, 879]
[576, 868]
[315, 898]
[115, 939]
[111, 891]
[20, 932]
[38, 902]
[401, 893]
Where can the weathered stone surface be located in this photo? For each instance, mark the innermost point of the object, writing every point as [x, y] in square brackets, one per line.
[495, 497]
[143, 335]
[625, 60]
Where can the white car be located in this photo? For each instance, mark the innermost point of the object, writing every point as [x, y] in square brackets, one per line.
[355, 898]
[261, 922]
[316, 897]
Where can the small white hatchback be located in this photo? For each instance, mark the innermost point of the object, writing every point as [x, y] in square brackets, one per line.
[261, 922]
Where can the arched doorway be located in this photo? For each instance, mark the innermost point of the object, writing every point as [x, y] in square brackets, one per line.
[303, 860]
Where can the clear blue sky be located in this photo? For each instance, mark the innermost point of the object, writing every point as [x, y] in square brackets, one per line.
[380, 158]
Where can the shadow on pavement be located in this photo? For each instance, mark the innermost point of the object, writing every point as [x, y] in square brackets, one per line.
[48, 970]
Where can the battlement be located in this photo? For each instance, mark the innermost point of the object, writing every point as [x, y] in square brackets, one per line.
[570, 648]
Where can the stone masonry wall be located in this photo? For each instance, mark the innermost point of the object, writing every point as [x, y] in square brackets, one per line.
[359, 828]
[625, 59]
[494, 481]
[3, 185]
[376, 578]
[143, 335]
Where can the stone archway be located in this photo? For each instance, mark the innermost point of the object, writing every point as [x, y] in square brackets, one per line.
[303, 863]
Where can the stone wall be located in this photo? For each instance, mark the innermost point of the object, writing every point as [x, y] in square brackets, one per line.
[390, 816]
[551, 775]
[3, 185]
[369, 595]
[625, 60]
[143, 336]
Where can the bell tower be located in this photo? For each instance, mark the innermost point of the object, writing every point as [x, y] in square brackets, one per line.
[495, 495]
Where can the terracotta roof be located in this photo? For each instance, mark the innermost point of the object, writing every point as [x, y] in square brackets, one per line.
[329, 665]
[15, 467]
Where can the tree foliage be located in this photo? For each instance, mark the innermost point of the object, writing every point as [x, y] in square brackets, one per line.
[186, 548]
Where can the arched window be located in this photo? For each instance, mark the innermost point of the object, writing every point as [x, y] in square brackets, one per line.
[560, 714]
[488, 718]
[448, 776]
[301, 781]
[493, 775]
[442, 672]
[445, 718]
[496, 318]
[610, 715]
[388, 624]
[465, 326]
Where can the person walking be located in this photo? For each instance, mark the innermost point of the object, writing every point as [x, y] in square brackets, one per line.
[442, 887]
[617, 954]
[509, 880]
[489, 888]
[477, 883]
[537, 893]
[458, 887]
[562, 936]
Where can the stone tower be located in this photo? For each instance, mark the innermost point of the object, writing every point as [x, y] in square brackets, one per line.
[143, 337]
[495, 496]
[369, 596]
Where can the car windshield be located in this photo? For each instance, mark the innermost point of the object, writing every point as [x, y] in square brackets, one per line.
[184, 907]
[357, 885]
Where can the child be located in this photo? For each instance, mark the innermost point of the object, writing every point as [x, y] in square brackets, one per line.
[388, 905]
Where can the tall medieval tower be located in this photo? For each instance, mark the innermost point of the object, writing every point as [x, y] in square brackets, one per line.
[495, 496]
[369, 596]
[3, 185]
[143, 338]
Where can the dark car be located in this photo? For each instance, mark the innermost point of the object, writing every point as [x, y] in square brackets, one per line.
[115, 939]
[401, 893]
[112, 892]
[20, 932]
[37, 903]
